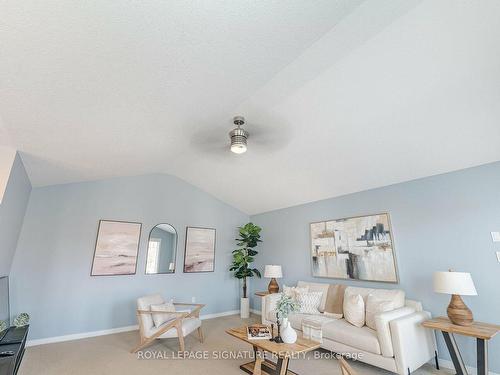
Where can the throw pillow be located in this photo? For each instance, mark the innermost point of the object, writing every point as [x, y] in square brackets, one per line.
[335, 300]
[294, 291]
[309, 302]
[354, 309]
[160, 318]
[374, 306]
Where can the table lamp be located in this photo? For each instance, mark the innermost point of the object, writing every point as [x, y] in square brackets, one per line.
[456, 284]
[273, 272]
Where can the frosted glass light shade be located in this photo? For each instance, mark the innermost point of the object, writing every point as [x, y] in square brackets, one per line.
[273, 271]
[459, 283]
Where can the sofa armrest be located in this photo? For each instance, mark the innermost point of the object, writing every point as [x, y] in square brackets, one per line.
[382, 324]
[270, 301]
[413, 344]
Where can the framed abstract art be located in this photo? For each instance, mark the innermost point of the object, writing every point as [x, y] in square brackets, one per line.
[355, 248]
[199, 254]
[116, 248]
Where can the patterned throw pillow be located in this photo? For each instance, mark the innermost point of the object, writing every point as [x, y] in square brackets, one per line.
[309, 302]
[160, 318]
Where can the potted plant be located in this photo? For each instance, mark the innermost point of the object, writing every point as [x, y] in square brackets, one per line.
[285, 306]
[249, 237]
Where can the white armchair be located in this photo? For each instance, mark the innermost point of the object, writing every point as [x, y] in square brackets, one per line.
[180, 325]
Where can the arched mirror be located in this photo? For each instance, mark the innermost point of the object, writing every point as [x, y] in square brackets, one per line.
[162, 249]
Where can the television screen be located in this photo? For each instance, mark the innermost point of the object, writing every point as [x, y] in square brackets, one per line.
[4, 300]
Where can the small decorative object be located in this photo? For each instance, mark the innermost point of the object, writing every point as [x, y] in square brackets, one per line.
[3, 325]
[273, 272]
[285, 306]
[116, 248]
[22, 320]
[456, 284]
[199, 255]
[288, 334]
[356, 248]
[249, 238]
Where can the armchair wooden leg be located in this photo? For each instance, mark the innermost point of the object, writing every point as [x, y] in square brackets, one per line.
[144, 342]
[181, 337]
[200, 335]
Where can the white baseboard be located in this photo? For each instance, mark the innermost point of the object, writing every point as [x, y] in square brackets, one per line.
[449, 365]
[84, 335]
[256, 312]
[78, 336]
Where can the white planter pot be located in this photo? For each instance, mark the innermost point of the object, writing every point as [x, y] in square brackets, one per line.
[245, 308]
[288, 334]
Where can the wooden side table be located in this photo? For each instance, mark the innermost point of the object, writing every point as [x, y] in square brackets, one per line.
[262, 305]
[483, 332]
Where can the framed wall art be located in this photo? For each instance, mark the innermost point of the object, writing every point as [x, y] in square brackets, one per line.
[116, 248]
[355, 248]
[199, 254]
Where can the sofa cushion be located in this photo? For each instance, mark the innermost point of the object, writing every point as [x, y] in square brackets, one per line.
[309, 302]
[395, 295]
[335, 300]
[353, 290]
[316, 287]
[363, 338]
[354, 310]
[374, 306]
[295, 320]
[294, 291]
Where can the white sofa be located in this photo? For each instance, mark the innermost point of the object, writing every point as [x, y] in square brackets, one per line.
[399, 344]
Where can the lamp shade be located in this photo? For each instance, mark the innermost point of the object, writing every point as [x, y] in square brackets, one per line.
[459, 283]
[273, 271]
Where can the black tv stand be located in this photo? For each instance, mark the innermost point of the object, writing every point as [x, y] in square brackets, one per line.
[12, 349]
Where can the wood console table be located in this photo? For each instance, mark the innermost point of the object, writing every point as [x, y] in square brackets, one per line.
[481, 331]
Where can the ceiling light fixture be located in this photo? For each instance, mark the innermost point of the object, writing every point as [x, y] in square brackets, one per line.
[238, 136]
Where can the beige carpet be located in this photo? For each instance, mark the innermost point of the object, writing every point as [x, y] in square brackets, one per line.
[110, 355]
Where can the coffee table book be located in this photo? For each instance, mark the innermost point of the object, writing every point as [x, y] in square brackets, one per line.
[259, 332]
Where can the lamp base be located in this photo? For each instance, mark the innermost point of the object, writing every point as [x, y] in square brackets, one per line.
[458, 312]
[273, 286]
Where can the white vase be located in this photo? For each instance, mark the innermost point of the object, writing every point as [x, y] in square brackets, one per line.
[288, 334]
[245, 308]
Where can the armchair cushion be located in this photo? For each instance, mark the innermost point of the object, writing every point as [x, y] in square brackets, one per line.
[188, 326]
[144, 303]
[159, 318]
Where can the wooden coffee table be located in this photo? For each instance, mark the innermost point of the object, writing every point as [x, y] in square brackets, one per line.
[282, 351]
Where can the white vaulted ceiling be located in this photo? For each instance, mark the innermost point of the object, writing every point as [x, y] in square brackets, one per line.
[340, 96]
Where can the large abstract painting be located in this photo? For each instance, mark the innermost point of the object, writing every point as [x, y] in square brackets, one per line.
[116, 248]
[357, 248]
[199, 255]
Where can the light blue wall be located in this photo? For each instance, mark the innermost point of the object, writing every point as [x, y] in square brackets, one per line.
[12, 210]
[439, 222]
[50, 276]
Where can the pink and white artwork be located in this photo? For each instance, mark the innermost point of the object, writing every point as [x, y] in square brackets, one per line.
[199, 255]
[116, 248]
